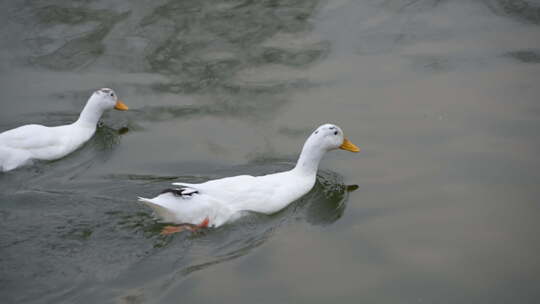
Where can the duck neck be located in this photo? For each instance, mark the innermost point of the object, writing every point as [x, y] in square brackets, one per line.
[90, 114]
[309, 159]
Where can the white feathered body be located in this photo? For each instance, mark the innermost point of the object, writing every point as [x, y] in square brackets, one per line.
[21, 145]
[226, 199]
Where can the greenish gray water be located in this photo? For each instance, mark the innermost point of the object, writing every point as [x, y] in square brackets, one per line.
[442, 96]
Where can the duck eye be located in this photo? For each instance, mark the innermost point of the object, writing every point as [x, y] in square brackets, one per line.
[335, 132]
[317, 132]
[112, 94]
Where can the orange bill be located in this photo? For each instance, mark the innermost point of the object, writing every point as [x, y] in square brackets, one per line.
[349, 146]
[120, 106]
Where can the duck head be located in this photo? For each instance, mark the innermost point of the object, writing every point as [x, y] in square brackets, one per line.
[325, 138]
[106, 99]
[100, 101]
[330, 137]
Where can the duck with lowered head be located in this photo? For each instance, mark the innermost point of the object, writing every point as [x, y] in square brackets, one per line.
[216, 202]
[21, 145]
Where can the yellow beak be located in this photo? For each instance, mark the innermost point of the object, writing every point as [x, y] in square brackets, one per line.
[349, 146]
[120, 106]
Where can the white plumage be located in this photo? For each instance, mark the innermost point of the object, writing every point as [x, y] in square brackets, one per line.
[224, 200]
[21, 145]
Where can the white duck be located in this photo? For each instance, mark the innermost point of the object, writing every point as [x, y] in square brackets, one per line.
[21, 145]
[216, 202]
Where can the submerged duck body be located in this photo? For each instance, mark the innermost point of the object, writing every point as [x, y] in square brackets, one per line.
[219, 201]
[21, 145]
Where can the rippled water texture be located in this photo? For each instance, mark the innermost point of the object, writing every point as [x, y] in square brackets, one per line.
[442, 96]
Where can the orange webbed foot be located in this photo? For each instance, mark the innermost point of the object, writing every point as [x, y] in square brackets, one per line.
[168, 230]
[204, 223]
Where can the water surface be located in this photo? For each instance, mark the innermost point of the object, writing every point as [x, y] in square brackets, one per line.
[442, 96]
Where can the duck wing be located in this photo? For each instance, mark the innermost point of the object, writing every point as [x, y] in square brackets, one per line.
[29, 137]
[240, 193]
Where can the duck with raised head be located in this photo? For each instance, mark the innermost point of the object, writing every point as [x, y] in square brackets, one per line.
[21, 145]
[216, 202]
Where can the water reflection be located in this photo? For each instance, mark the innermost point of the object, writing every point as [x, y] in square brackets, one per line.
[526, 56]
[523, 10]
[87, 25]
